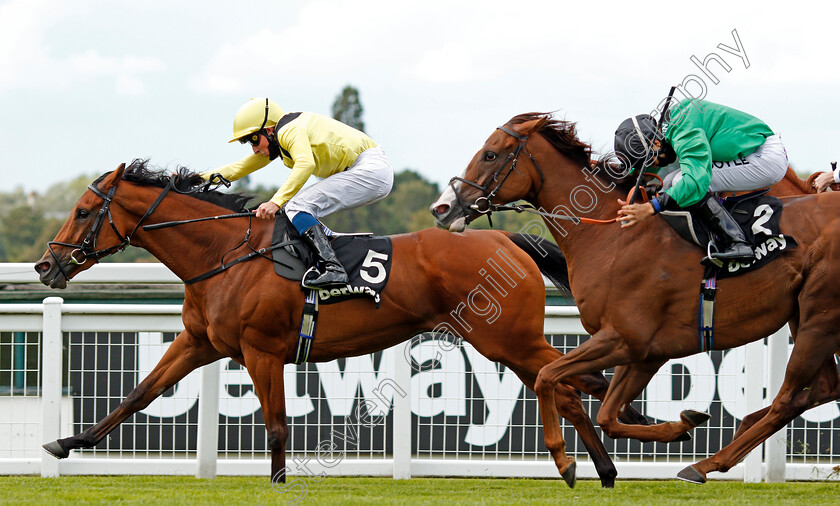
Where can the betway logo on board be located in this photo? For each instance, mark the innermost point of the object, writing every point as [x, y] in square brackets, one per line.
[437, 389]
[442, 388]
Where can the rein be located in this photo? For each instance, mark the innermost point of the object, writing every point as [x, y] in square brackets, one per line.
[158, 226]
[528, 208]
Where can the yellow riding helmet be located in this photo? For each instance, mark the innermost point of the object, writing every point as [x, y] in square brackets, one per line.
[256, 114]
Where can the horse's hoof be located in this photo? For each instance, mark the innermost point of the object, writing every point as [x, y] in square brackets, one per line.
[607, 482]
[56, 450]
[695, 418]
[682, 438]
[691, 475]
[569, 475]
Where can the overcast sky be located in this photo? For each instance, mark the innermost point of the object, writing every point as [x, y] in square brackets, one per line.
[87, 84]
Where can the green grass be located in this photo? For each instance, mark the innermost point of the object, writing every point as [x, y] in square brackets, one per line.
[149, 490]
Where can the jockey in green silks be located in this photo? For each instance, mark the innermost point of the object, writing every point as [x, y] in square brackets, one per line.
[719, 149]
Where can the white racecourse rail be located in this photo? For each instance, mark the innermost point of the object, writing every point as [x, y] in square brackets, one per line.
[424, 408]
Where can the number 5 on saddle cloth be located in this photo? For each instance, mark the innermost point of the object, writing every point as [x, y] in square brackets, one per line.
[367, 260]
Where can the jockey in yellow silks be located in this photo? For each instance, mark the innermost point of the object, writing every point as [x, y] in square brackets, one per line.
[354, 169]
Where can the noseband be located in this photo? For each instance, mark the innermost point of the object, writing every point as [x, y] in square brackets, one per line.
[483, 204]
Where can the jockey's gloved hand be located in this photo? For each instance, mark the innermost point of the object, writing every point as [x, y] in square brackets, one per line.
[216, 179]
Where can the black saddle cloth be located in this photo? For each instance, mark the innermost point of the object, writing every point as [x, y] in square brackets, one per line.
[757, 214]
[366, 258]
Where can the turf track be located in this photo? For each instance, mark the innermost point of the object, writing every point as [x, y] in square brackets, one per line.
[382, 491]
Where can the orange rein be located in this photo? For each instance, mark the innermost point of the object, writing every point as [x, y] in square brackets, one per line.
[592, 221]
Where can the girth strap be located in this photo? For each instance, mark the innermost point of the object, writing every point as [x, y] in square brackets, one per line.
[708, 291]
[307, 327]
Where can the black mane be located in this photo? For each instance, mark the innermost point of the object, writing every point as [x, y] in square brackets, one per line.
[186, 181]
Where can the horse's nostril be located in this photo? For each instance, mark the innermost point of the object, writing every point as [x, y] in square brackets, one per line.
[441, 209]
[42, 267]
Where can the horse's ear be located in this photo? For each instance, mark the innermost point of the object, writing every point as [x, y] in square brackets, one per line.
[113, 177]
[529, 127]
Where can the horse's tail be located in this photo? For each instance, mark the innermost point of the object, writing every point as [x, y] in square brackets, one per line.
[548, 257]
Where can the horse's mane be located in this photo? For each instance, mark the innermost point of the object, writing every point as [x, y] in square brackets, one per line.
[563, 136]
[139, 172]
[560, 134]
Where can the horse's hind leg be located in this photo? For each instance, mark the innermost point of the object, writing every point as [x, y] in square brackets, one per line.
[792, 400]
[821, 392]
[184, 355]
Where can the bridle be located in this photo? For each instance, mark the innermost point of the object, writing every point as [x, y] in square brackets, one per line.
[87, 249]
[483, 204]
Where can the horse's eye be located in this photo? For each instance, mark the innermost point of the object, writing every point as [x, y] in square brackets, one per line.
[489, 156]
[82, 214]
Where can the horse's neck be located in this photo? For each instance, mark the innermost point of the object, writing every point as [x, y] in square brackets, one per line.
[571, 236]
[192, 249]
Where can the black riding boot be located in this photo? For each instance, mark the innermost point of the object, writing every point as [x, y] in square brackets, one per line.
[735, 245]
[332, 274]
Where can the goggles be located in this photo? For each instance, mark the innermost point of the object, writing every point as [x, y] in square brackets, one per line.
[252, 139]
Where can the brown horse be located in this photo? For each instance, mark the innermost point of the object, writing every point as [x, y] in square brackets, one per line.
[637, 289]
[251, 315]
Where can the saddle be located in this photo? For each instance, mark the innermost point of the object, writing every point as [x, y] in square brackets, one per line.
[758, 215]
[366, 258]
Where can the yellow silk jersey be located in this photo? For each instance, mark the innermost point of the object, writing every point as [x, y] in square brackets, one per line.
[311, 145]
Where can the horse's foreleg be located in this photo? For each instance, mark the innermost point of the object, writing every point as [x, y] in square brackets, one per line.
[184, 355]
[597, 385]
[603, 350]
[627, 383]
[548, 386]
[266, 370]
[603, 464]
[553, 432]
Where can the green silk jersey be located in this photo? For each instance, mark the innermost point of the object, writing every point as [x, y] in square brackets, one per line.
[703, 132]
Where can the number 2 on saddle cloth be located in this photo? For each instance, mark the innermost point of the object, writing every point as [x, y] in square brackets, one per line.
[758, 216]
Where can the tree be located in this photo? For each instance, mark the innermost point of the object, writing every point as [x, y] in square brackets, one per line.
[21, 230]
[348, 109]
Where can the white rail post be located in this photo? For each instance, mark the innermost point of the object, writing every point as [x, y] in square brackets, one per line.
[776, 446]
[51, 349]
[207, 449]
[754, 395]
[402, 414]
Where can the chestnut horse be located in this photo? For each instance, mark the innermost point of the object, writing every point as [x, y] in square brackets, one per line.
[637, 288]
[253, 316]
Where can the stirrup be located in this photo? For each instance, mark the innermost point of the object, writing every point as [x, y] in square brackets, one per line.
[318, 274]
[708, 259]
